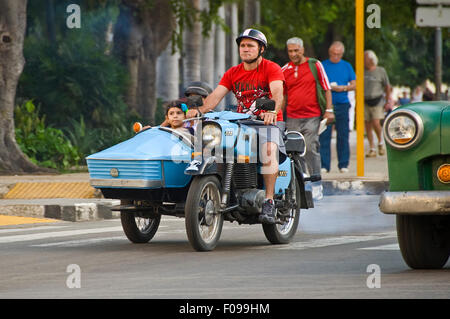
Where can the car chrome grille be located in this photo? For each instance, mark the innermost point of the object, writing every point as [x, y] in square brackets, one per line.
[124, 169]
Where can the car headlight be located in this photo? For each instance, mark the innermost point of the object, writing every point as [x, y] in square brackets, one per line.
[211, 135]
[403, 129]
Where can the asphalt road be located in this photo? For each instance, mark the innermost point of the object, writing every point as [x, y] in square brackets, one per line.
[345, 248]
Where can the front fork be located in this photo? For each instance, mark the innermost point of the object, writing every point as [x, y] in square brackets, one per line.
[227, 184]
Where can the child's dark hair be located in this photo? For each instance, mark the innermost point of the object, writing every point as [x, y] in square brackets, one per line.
[177, 103]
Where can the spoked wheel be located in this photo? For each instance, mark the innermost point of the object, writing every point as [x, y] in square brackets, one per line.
[137, 228]
[283, 233]
[202, 216]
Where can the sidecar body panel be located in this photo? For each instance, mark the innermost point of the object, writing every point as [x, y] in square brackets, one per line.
[152, 159]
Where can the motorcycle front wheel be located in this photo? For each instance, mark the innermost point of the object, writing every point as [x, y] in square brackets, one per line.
[282, 234]
[203, 219]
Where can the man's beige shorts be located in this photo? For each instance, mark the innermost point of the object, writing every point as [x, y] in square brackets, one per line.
[373, 112]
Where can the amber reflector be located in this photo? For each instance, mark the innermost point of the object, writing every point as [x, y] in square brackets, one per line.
[443, 173]
[137, 127]
[402, 140]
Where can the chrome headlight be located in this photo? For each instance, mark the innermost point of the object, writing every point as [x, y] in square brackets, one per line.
[211, 135]
[403, 129]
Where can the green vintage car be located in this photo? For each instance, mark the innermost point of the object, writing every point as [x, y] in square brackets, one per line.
[418, 151]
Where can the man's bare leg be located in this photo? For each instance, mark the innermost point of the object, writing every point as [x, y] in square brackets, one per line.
[270, 168]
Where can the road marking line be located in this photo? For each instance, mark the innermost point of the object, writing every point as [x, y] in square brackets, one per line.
[16, 230]
[383, 247]
[28, 237]
[329, 241]
[81, 242]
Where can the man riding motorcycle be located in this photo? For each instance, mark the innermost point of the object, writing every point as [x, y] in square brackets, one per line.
[256, 78]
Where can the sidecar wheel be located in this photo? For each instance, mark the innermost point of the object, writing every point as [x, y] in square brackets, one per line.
[282, 234]
[139, 229]
[202, 217]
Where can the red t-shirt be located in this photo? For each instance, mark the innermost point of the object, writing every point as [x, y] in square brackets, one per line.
[301, 89]
[248, 86]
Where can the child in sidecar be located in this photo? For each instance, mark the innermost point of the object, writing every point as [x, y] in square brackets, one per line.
[175, 117]
[194, 89]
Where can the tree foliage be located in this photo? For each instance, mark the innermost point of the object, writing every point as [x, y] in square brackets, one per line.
[406, 51]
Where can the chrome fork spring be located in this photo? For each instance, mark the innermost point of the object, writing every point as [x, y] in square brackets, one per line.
[227, 183]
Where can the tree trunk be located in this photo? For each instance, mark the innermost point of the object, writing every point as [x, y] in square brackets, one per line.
[252, 13]
[12, 33]
[232, 58]
[168, 74]
[192, 46]
[141, 33]
[207, 51]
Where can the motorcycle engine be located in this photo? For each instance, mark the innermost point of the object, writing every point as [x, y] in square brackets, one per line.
[252, 200]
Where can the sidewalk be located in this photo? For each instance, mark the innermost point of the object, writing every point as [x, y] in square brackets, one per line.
[70, 196]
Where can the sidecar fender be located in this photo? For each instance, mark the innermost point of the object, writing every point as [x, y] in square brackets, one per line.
[207, 166]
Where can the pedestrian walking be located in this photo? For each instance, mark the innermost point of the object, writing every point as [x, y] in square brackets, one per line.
[308, 99]
[417, 95]
[377, 93]
[342, 79]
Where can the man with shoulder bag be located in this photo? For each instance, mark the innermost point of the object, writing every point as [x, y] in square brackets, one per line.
[308, 100]
[377, 91]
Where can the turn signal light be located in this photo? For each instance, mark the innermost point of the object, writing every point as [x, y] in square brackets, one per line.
[243, 159]
[195, 154]
[402, 140]
[443, 173]
[137, 127]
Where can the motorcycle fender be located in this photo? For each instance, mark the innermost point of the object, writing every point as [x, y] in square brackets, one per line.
[306, 200]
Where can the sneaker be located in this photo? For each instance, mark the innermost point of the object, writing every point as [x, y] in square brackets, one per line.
[343, 170]
[381, 150]
[323, 170]
[317, 192]
[267, 215]
[372, 153]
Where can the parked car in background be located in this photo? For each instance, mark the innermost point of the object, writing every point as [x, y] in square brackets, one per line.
[418, 151]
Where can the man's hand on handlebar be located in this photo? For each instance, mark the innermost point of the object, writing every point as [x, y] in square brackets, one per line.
[192, 113]
[269, 118]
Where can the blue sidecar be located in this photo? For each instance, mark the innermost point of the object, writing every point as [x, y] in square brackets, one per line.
[207, 178]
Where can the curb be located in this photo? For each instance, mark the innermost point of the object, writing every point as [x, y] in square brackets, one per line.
[354, 187]
[76, 211]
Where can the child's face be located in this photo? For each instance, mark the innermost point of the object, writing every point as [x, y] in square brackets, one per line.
[175, 117]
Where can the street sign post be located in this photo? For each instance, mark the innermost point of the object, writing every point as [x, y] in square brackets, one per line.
[433, 17]
[443, 2]
[438, 17]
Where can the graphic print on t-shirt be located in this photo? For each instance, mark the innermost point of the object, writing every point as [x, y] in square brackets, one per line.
[247, 98]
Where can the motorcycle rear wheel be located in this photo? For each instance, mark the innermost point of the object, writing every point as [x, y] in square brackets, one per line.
[282, 234]
[202, 217]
